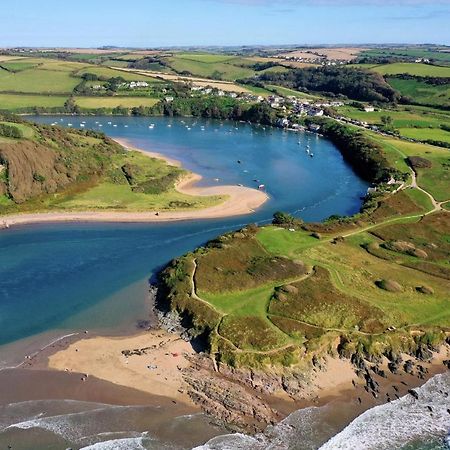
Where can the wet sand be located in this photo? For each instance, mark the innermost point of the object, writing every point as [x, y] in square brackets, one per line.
[151, 362]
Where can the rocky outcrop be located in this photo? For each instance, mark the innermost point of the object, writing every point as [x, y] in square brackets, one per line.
[228, 401]
[241, 398]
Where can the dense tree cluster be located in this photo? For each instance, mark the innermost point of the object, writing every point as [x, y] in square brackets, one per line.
[434, 81]
[149, 63]
[364, 155]
[353, 83]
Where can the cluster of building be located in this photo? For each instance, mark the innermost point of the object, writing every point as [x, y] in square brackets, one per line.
[244, 96]
[130, 85]
[301, 106]
[314, 59]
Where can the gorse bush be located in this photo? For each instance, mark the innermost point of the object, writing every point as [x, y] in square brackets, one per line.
[10, 131]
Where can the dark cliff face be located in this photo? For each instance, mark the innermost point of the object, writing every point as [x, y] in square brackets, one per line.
[51, 161]
[32, 169]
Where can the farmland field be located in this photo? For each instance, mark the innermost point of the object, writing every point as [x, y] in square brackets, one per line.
[206, 69]
[430, 54]
[421, 70]
[421, 92]
[16, 66]
[424, 134]
[402, 118]
[13, 102]
[37, 81]
[111, 73]
[435, 180]
[208, 58]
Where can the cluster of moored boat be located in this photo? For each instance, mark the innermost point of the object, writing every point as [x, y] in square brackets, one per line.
[307, 148]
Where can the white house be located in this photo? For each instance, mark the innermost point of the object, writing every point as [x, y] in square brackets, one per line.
[369, 109]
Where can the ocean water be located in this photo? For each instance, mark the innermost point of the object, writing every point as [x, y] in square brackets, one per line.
[404, 424]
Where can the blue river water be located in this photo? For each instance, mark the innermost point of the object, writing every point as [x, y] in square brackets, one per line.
[81, 276]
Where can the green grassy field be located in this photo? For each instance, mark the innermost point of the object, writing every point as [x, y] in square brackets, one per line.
[13, 102]
[106, 72]
[431, 53]
[208, 58]
[219, 70]
[37, 81]
[112, 102]
[421, 92]
[17, 66]
[402, 118]
[435, 180]
[413, 122]
[424, 134]
[421, 70]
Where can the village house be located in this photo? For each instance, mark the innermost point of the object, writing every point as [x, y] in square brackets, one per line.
[138, 84]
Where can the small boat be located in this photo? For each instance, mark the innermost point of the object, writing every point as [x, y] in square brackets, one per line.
[261, 186]
[113, 125]
[216, 179]
[311, 155]
[69, 124]
[245, 171]
[82, 125]
[126, 126]
[109, 123]
[239, 161]
[240, 185]
[256, 180]
[169, 126]
[100, 125]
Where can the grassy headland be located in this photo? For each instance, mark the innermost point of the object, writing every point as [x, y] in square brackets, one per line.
[370, 286]
[48, 169]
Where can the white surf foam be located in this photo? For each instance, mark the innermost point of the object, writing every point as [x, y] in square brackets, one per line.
[397, 423]
[118, 444]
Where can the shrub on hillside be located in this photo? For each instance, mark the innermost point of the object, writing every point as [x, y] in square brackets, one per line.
[10, 131]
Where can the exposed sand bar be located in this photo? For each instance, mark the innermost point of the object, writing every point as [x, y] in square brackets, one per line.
[155, 368]
[239, 201]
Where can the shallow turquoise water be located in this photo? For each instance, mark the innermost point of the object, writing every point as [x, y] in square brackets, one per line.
[83, 276]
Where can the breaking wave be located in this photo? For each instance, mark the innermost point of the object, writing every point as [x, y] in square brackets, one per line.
[404, 421]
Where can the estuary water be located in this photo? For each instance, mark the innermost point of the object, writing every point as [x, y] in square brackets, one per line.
[57, 279]
[68, 277]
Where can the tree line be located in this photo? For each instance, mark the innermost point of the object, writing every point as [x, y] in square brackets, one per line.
[351, 82]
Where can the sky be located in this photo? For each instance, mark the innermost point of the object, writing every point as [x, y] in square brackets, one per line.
[155, 23]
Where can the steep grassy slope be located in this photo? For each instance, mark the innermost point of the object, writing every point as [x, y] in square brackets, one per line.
[44, 168]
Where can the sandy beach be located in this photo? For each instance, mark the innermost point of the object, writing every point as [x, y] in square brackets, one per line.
[150, 362]
[239, 201]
